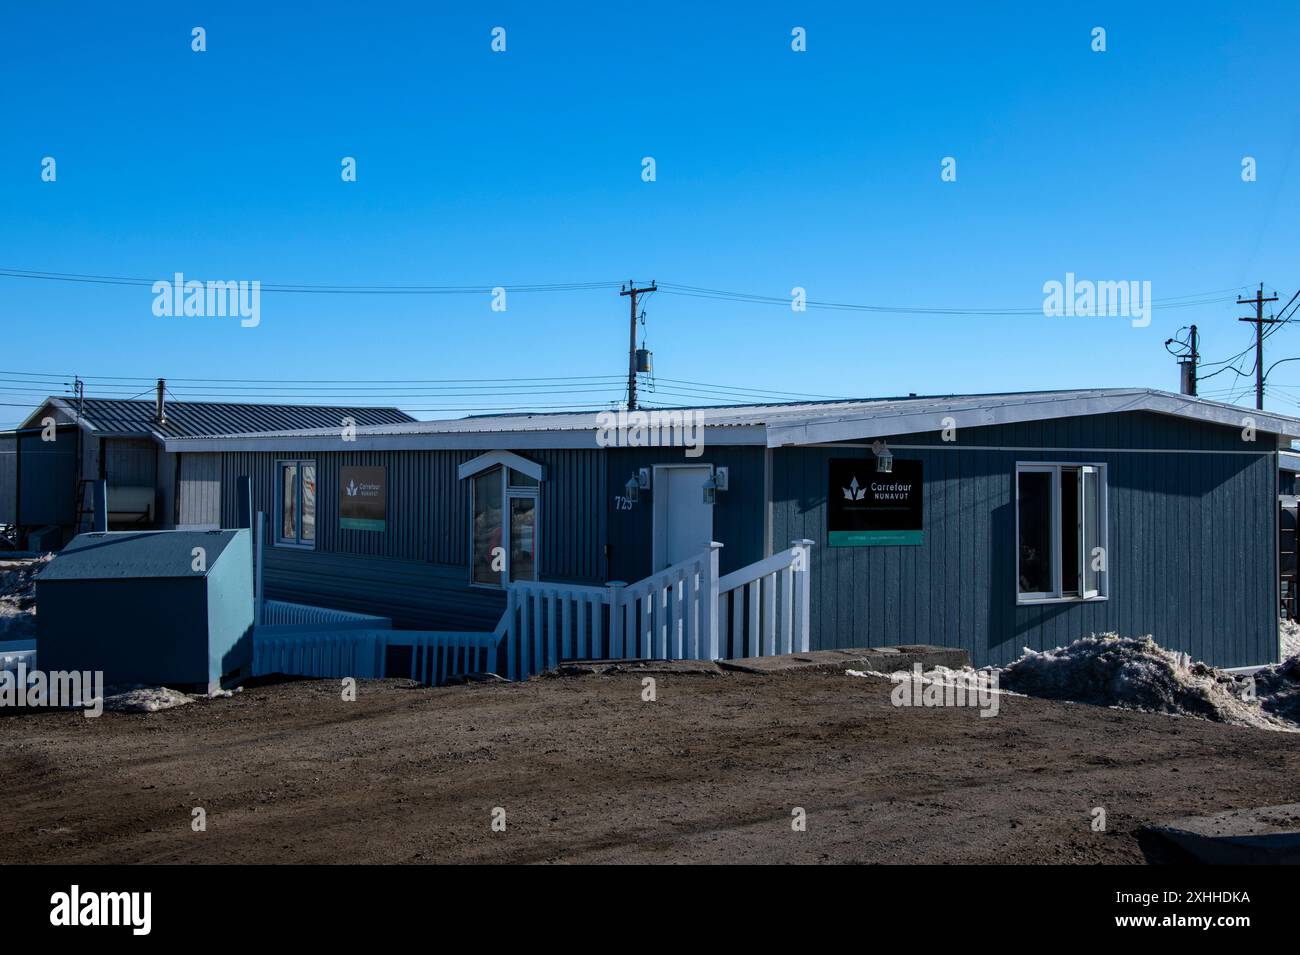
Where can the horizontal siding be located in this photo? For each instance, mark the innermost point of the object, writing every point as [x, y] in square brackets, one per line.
[1191, 545]
[417, 596]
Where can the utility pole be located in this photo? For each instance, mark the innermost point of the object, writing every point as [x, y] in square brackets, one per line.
[632, 292]
[1187, 361]
[1259, 322]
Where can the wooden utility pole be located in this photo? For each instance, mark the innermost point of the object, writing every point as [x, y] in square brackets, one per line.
[632, 292]
[1259, 322]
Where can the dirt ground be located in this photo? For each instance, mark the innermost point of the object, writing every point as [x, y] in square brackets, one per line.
[587, 772]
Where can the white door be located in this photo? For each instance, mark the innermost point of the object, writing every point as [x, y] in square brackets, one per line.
[683, 523]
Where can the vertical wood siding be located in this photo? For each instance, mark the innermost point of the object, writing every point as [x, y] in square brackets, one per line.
[737, 514]
[200, 488]
[417, 569]
[1191, 544]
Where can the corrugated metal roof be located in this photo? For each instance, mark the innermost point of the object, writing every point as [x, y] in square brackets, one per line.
[1039, 404]
[188, 419]
[120, 554]
[713, 415]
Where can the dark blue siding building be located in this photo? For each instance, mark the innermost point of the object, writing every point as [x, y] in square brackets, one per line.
[987, 522]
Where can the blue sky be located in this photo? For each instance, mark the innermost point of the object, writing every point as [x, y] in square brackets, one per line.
[775, 169]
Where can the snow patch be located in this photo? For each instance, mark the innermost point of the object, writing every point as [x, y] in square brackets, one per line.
[18, 597]
[1289, 633]
[143, 699]
[1137, 673]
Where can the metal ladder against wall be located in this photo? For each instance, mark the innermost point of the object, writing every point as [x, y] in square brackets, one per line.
[85, 506]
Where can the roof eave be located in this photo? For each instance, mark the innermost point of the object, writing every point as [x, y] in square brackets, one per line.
[860, 427]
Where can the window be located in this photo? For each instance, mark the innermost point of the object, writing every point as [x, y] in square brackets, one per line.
[1061, 549]
[296, 503]
[504, 533]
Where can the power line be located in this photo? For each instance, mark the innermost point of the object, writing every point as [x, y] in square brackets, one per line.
[1179, 301]
[320, 289]
[1211, 297]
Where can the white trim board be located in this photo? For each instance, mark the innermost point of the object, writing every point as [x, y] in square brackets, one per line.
[511, 460]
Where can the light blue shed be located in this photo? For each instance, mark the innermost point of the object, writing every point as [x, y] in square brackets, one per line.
[153, 607]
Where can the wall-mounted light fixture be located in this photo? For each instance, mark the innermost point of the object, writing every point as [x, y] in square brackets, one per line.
[723, 478]
[640, 479]
[884, 457]
[710, 490]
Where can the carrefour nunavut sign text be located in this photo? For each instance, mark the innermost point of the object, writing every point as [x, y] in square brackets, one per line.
[363, 498]
[866, 508]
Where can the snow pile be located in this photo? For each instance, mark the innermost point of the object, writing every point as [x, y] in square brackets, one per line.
[1278, 690]
[1137, 673]
[1289, 631]
[143, 699]
[18, 597]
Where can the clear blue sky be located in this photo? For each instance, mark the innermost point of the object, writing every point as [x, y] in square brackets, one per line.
[775, 169]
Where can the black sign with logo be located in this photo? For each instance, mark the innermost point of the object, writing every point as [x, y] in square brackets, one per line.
[867, 508]
[363, 498]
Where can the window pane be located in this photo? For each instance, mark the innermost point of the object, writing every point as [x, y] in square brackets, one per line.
[523, 538]
[309, 502]
[1070, 530]
[1094, 524]
[487, 525]
[1034, 547]
[289, 502]
[519, 479]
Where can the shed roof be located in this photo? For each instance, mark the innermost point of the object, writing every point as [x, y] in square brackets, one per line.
[772, 425]
[120, 416]
[115, 555]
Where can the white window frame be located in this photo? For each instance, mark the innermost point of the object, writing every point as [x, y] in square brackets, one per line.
[298, 542]
[508, 491]
[1058, 594]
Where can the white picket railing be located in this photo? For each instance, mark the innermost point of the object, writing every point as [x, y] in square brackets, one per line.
[671, 615]
[685, 612]
[546, 622]
[436, 656]
[763, 609]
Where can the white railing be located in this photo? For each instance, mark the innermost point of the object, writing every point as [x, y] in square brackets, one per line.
[436, 656]
[338, 654]
[282, 613]
[671, 615]
[547, 622]
[763, 609]
[685, 612]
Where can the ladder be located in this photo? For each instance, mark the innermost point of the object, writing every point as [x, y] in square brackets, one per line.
[85, 489]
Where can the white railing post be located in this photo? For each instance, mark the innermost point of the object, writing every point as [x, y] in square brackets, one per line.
[803, 594]
[709, 601]
[616, 588]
